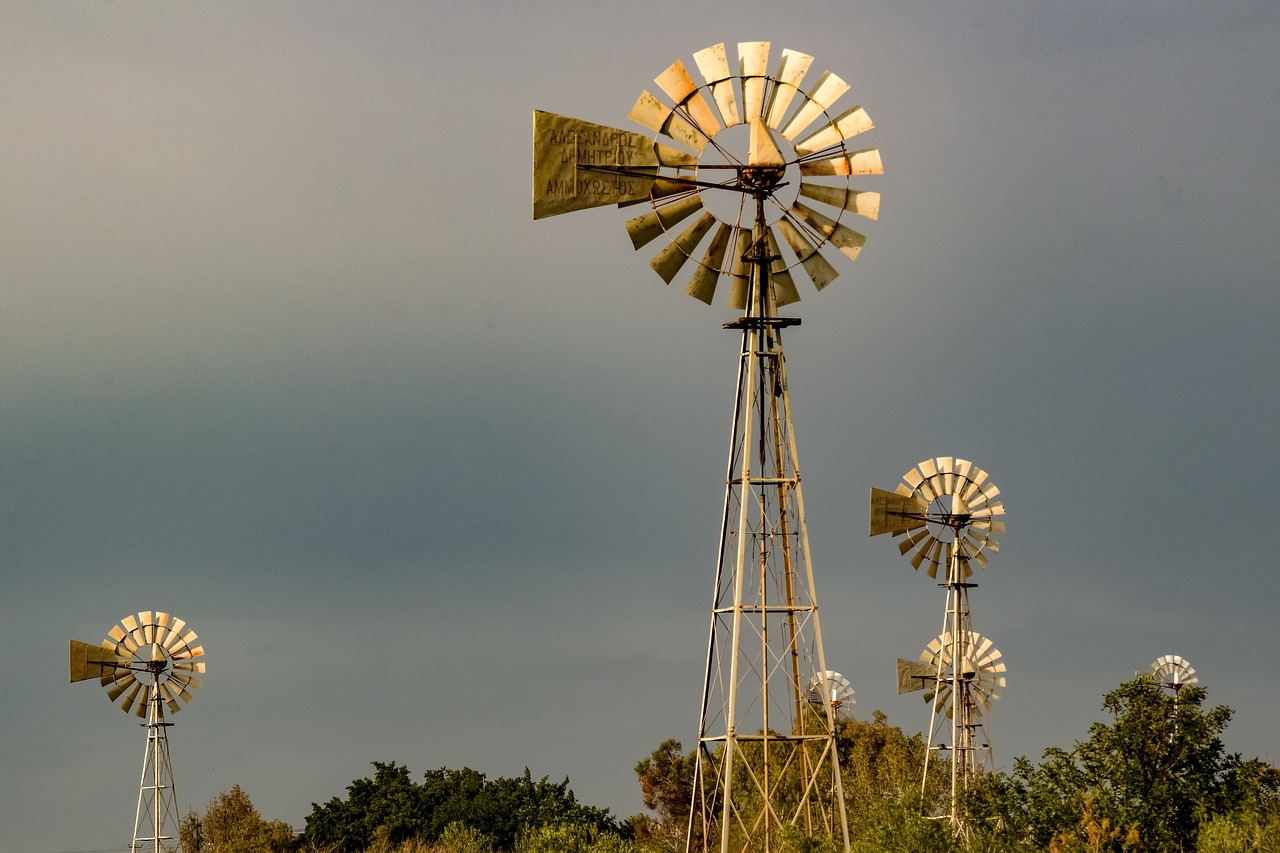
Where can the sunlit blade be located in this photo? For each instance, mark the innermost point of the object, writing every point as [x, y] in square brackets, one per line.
[131, 696]
[935, 560]
[176, 625]
[784, 287]
[827, 92]
[791, 70]
[163, 621]
[189, 666]
[646, 227]
[989, 510]
[189, 638]
[182, 691]
[705, 277]
[979, 558]
[819, 270]
[856, 163]
[764, 151]
[713, 64]
[146, 627]
[658, 117]
[848, 125]
[169, 698]
[668, 262]
[912, 540]
[841, 236]
[121, 685]
[679, 86]
[862, 203]
[741, 272]
[753, 59]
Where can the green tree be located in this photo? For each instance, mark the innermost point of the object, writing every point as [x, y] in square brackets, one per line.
[390, 809]
[1147, 780]
[231, 824]
[666, 787]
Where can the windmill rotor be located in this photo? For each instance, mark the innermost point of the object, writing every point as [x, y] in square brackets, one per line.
[830, 687]
[730, 155]
[980, 668]
[144, 652]
[941, 504]
[1174, 672]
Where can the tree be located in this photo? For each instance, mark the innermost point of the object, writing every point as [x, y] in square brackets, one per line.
[1148, 779]
[390, 809]
[666, 787]
[231, 824]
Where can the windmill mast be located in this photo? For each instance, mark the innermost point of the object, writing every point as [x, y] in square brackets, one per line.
[756, 731]
[156, 819]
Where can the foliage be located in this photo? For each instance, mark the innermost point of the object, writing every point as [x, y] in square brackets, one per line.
[390, 809]
[570, 838]
[231, 824]
[1147, 780]
[666, 787]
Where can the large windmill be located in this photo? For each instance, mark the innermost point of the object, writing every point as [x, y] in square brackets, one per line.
[742, 156]
[148, 662]
[945, 510]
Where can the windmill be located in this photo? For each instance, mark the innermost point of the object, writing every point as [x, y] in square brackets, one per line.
[945, 512]
[831, 688]
[1173, 672]
[148, 663]
[744, 157]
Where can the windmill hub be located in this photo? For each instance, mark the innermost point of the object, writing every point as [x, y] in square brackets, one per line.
[727, 162]
[157, 666]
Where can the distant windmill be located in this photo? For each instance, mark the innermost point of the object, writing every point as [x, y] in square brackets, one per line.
[147, 663]
[945, 511]
[830, 687]
[1173, 672]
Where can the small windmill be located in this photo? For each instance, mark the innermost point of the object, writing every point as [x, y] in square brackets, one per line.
[945, 510]
[1173, 672]
[148, 663]
[830, 688]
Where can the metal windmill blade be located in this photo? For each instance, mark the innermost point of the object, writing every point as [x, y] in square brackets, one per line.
[830, 687]
[720, 146]
[1174, 672]
[980, 668]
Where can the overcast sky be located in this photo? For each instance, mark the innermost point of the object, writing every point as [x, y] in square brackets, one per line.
[285, 354]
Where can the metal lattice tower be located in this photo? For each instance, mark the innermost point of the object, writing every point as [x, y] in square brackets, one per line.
[766, 760]
[155, 824]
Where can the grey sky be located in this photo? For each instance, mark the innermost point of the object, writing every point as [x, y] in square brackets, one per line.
[286, 355]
